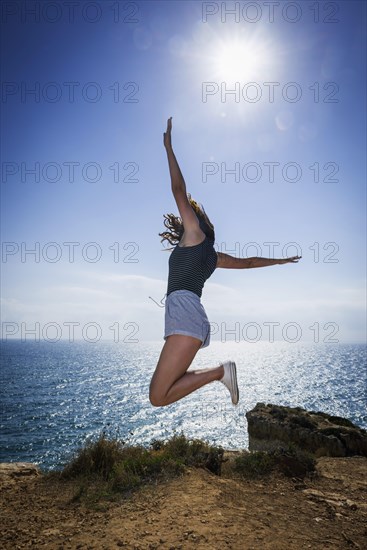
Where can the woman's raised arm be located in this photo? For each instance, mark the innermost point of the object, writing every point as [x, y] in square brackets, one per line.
[188, 216]
[177, 179]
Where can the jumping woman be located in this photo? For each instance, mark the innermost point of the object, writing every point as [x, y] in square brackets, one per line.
[187, 327]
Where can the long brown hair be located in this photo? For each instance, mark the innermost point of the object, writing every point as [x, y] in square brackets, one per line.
[175, 226]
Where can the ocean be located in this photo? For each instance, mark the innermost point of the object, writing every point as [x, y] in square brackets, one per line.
[57, 395]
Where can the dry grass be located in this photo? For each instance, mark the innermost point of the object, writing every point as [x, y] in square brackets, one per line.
[108, 468]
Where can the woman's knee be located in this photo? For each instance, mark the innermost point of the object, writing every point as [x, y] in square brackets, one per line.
[176, 356]
[156, 401]
[156, 396]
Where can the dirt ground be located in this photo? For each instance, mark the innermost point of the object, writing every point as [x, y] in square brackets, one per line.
[197, 510]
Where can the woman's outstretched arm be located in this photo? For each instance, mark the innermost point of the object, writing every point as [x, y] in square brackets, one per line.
[177, 179]
[178, 186]
[230, 262]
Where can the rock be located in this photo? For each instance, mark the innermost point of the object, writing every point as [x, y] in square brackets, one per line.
[272, 427]
[10, 472]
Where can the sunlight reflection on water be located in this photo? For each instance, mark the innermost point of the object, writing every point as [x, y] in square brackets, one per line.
[55, 395]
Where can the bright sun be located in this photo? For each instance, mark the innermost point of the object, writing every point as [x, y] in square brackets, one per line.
[242, 57]
[235, 61]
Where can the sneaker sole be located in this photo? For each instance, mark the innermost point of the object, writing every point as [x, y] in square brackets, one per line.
[234, 384]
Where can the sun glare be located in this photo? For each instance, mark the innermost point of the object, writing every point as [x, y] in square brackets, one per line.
[238, 60]
[239, 54]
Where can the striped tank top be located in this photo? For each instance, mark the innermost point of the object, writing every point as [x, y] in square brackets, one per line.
[191, 266]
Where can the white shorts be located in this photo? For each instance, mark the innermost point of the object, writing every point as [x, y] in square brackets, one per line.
[185, 314]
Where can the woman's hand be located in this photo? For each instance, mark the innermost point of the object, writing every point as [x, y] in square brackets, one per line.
[293, 259]
[167, 135]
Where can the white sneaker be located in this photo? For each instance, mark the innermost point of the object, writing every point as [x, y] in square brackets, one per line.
[229, 379]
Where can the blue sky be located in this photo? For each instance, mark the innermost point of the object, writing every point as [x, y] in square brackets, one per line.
[165, 58]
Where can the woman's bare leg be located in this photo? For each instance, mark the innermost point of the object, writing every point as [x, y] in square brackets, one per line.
[170, 381]
[192, 381]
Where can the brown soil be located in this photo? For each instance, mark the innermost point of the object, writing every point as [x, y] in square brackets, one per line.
[197, 510]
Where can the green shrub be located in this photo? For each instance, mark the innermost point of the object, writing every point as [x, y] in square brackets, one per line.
[290, 461]
[129, 474]
[253, 464]
[96, 458]
[294, 462]
[192, 452]
[109, 465]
